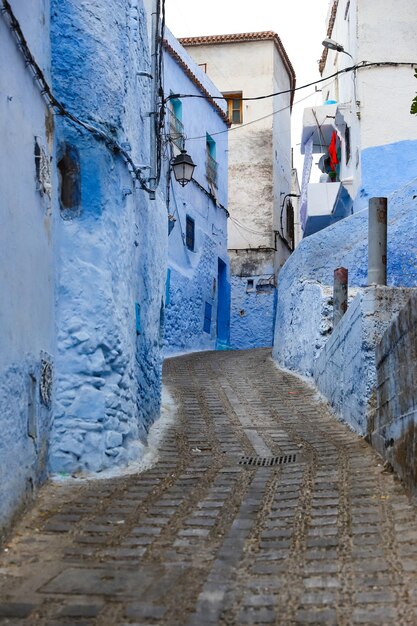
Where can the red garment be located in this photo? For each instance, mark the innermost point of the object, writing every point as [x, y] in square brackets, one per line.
[333, 152]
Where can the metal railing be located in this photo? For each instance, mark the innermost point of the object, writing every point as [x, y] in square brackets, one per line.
[176, 131]
[211, 169]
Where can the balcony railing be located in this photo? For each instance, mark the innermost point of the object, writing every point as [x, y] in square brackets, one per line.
[211, 169]
[176, 131]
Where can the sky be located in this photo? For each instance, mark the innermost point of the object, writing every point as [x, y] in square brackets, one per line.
[301, 25]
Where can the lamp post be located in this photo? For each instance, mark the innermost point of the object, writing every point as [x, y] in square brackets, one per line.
[331, 44]
[183, 168]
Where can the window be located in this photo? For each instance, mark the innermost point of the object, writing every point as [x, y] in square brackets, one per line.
[189, 233]
[176, 127]
[347, 144]
[207, 317]
[234, 107]
[250, 285]
[211, 163]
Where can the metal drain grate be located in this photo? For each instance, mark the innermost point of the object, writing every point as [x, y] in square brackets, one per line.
[268, 461]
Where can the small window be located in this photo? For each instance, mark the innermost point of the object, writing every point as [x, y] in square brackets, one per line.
[347, 144]
[176, 127]
[203, 67]
[190, 233]
[234, 107]
[211, 163]
[207, 317]
[250, 284]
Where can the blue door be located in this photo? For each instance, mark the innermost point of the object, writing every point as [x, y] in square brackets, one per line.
[223, 307]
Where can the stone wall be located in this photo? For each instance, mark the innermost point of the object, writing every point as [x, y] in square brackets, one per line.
[345, 371]
[395, 433]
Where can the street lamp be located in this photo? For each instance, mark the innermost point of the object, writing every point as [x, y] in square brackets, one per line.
[331, 44]
[183, 167]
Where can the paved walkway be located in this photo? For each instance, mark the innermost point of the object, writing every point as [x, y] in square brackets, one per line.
[317, 535]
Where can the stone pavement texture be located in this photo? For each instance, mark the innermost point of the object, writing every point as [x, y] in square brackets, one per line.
[262, 509]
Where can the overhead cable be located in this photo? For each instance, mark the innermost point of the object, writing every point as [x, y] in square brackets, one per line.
[56, 105]
[361, 65]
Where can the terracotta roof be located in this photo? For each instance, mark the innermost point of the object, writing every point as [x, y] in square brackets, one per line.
[242, 37]
[177, 58]
[330, 26]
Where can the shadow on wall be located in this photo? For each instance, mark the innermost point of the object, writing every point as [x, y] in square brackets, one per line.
[395, 432]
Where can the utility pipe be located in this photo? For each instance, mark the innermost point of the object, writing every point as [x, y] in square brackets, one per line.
[377, 241]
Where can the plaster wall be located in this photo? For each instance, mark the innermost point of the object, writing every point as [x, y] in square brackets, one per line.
[259, 176]
[375, 102]
[193, 282]
[112, 242]
[26, 263]
[257, 158]
[310, 268]
[396, 417]
[281, 155]
[345, 371]
[254, 297]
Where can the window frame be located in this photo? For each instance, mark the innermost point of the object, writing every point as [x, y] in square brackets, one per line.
[189, 237]
[232, 98]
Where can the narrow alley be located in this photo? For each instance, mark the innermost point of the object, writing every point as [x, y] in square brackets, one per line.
[262, 509]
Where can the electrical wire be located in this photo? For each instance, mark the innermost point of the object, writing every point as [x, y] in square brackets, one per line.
[259, 119]
[248, 228]
[57, 106]
[352, 68]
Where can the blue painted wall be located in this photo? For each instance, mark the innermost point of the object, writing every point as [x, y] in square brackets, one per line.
[112, 244]
[26, 262]
[385, 169]
[303, 308]
[253, 313]
[197, 286]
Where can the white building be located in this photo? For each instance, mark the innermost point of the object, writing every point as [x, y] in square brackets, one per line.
[245, 66]
[366, 111]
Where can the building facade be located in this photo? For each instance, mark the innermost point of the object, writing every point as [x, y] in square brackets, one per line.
[244, 66]
[83, 243]
[26, 261]
[197, 312]
[364, 129]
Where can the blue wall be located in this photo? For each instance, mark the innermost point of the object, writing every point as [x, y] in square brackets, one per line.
[302, 326]
[26, 263]
[112, 245]
[197, 290]
[253, 313]
[385, 169]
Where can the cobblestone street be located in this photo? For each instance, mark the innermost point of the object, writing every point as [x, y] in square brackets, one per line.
[317, 533]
